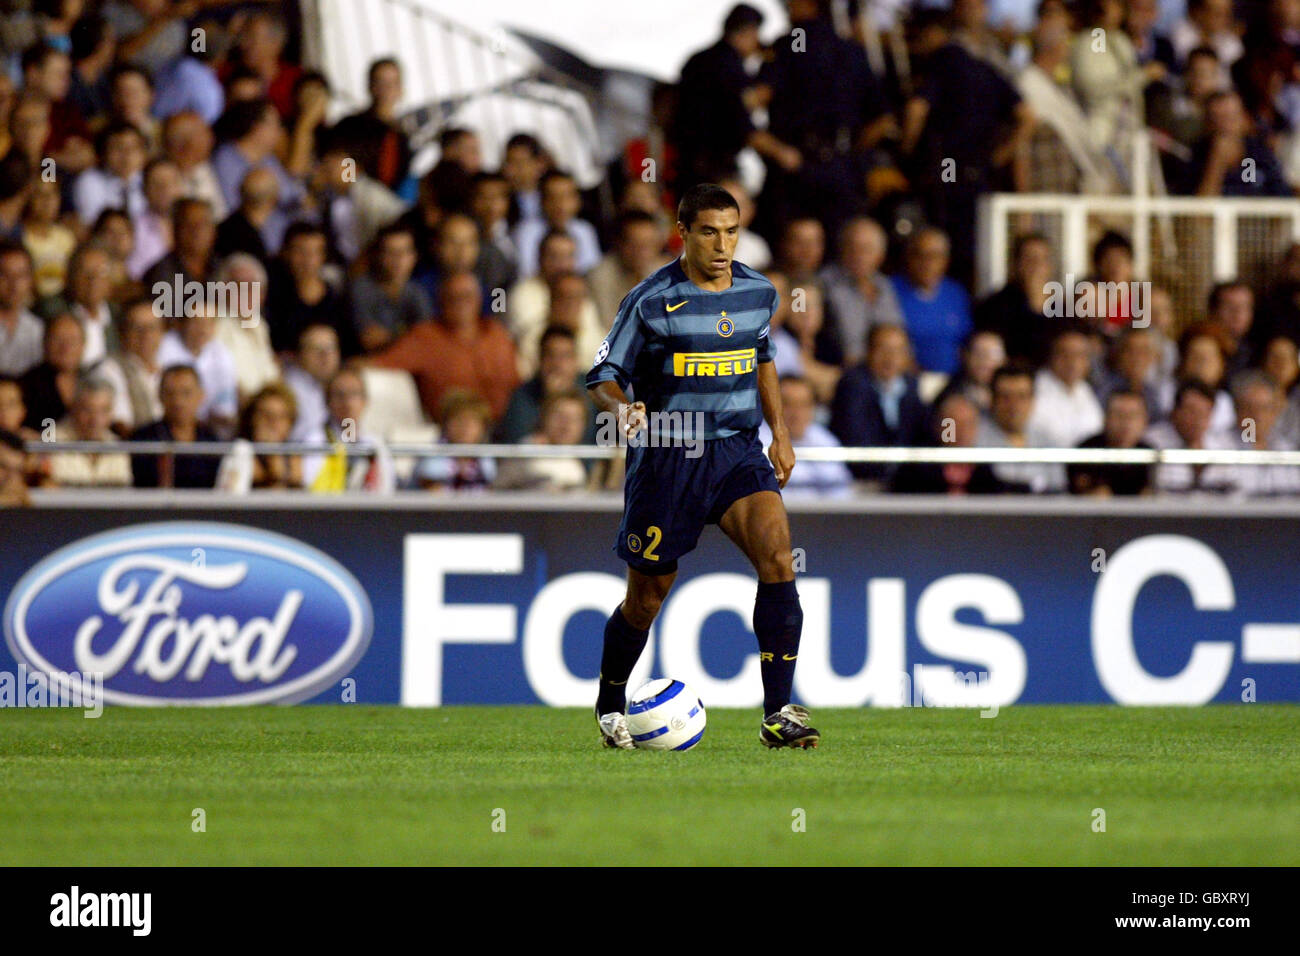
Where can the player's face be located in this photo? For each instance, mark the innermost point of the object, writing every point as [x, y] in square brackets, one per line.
[710, 242]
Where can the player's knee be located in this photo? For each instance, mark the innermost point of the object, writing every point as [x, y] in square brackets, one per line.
[641, 606]
[775, 564]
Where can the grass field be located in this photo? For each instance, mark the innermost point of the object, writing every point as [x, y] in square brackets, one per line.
[359, 785]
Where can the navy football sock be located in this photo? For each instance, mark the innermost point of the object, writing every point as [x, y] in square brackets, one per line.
[623, 645]
[778, 622]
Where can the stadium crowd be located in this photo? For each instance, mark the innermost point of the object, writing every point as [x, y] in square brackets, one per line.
[189, 251]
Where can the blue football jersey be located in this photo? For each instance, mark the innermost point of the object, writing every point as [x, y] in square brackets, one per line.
[684, 349]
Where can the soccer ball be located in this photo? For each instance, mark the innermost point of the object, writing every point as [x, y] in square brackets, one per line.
[665, 715]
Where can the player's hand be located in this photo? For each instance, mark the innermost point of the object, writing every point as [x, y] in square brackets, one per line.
[782, 456]
[631, 418]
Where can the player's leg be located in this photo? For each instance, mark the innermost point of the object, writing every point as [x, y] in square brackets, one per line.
[626, 632]
[757, 523]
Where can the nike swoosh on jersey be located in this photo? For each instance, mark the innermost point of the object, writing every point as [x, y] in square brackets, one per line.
[674, 308]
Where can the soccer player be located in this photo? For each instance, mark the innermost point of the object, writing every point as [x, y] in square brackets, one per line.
[694, 338]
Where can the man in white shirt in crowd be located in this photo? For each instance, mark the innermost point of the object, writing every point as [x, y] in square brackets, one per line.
[118, 182]
[21, 333]
[1188, 426]
[1066, 410]
[195, 344]
[1259, 402]
[133, 370]
[316, 364]
[88, 420]
[858, 295]
[1009, 426]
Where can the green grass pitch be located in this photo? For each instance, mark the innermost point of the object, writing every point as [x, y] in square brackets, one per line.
[369, 785]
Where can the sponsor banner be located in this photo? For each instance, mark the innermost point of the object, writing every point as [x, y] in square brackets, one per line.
[439, 607]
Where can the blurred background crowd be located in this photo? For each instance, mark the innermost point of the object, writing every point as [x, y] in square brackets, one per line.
[149, 148]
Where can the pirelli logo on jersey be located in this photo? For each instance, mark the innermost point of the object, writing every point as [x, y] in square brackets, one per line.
[735, 362]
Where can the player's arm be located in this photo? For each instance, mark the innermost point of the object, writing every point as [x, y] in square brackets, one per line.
[769, 393]
[610, 372]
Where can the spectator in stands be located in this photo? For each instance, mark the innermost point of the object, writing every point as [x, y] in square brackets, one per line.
[269, 417]
[86, 297]
[1109, 80]
[193, 257]
[564, 420]
[958, 118]
[28, 132]
[465, 419]
[1062, 157]
[1188, 426]
[1066, 410]
[181, 394]
[130, 95]
[803, 249]
[373, 136]
[1204, 357]
[89, 420]
[490, 207]
[823, 479]
[528, 303]
[153, 227]
[241, 327]
[1134, 367]
[187, 141]
[637, 252]
[118, 181]
[557, 371]
[955, 423]
[460, 145]
[936, 309]
[47, 72]
[877, 403]
[315, 365]
[301, 296]
[1018, 311]
[13, 413]
[1208, 23]
[260, 51]
[858, 296]
[257, 226]
[981, 356]
[524, 164]
[13, 486]
[461, 349]
[49, 387]
[571, 308]
[1113, 275]
[751, 248]
[387, 303]
[716, 96]
[346, 400]
[93, 48]
[353, 207]
[457, 249]
[1232, 308]
[1008, 426]
[20, 329]
[132, 369]
[1279, 312]
[1259, 404]
[561, 203]
[189, 83]
[255, 132]
[1281, 363]
[1125, 424]
[797, 327]
[1160, 310]
[46, 240]
[1230, 159]
[194, 342]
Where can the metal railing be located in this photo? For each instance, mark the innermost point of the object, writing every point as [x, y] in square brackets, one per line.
[883, 455]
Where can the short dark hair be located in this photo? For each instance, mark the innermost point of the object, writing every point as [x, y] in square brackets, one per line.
[552, 235]
[701, 197]
[880, 328]
[179, 368]
[242, 117]
[15, 174]
[1028, 239]
[1012, 369]
[1203, 50]
[1111, 240]
[36, 55]
[8, 247]
[117, 129]
[1127, 393]
[1216, 293]
[378, 65]
[741, 17]
[451, 134]
[122, 69]
[1193, 385]
[526, 141]
[303, 228]
[634, 217]
[86, 36]
[555, 332]
[185, 202]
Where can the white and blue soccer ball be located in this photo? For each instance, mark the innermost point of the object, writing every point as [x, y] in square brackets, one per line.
[665, 715]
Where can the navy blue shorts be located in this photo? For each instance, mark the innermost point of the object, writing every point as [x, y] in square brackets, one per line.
[668, 498]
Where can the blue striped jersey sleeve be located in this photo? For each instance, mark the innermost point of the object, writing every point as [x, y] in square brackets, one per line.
[616, 357]
[766, 347]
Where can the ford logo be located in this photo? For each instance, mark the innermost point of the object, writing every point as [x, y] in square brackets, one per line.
[192, 613]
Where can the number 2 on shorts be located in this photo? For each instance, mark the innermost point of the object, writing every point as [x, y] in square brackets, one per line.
[655, 534]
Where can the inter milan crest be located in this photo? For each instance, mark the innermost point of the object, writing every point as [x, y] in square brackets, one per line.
[725, 326]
